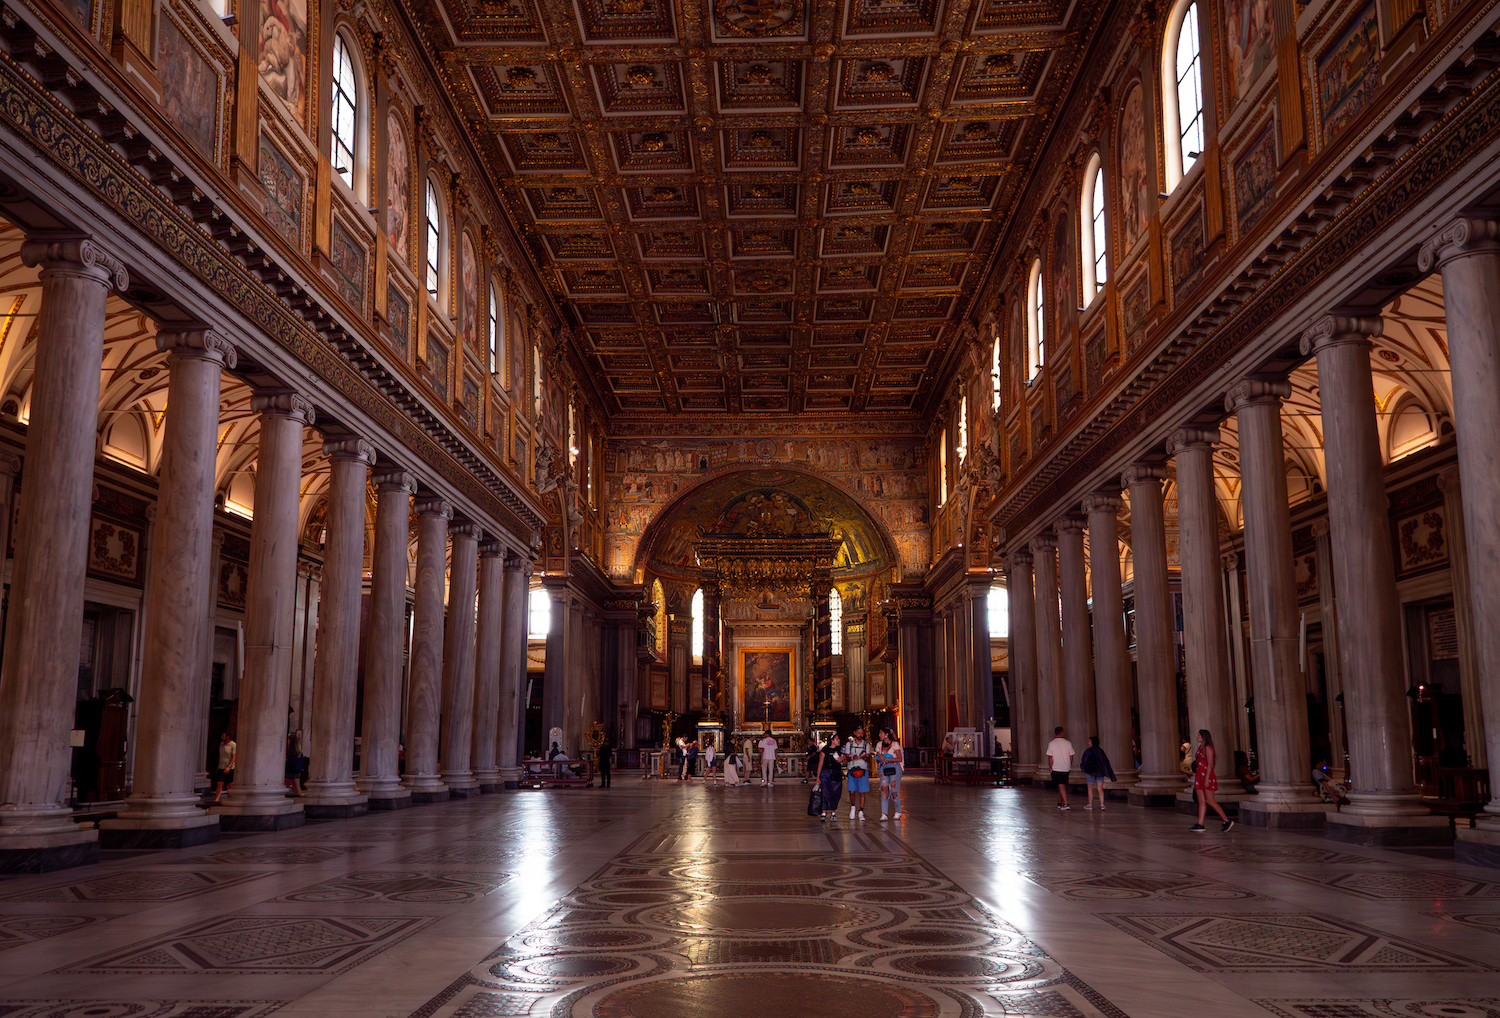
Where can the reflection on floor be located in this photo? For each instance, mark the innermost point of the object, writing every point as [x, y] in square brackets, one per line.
[659, 900]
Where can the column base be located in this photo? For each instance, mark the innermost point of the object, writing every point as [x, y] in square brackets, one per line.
[273, 817]
[487, 781]
[125, 831]
[489, 788]
[1187, 803]
[391, 803]
[1284, 815]
[47, 858]
[335, 810]
[463, 793]
[424, 798]
[1358, 829]
[1153, 797]
[1478, 846]
[511, 786]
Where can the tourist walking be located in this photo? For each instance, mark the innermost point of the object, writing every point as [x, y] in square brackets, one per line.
[830, 774]
[1060, 760]
[856, 757]
[1096, 771]
[891, 760]
[224, 773]
[1206, 782]
[768, 760]
[732, 768]
[605, 754]
[710, 769]
[690, 760]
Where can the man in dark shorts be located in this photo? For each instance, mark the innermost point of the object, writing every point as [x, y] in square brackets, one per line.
[1060, 760]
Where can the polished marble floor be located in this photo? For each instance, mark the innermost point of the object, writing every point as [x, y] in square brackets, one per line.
[661, 900]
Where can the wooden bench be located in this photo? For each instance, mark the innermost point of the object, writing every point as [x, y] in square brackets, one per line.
[557, 773]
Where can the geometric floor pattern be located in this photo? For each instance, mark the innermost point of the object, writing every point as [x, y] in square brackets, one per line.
[659, 899]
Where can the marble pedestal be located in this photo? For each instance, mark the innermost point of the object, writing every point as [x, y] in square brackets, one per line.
[1428, 829]
[1298, 816]
[322, 809]
[125, 831]
[1148, 795]
[261, 818]
[1478, 846]
[424, 798]
[383, 803]
[52, 852]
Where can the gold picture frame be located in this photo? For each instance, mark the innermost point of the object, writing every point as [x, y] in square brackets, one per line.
[768, 679]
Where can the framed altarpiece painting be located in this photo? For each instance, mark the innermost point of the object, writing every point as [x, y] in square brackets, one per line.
[768, 684]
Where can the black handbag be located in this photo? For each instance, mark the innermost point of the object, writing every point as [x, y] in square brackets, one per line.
[815, 801]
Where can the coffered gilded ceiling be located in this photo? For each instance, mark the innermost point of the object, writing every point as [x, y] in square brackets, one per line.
[761, 206]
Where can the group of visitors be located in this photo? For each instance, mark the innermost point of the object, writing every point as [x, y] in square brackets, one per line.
[1097, 770]
[837, 763]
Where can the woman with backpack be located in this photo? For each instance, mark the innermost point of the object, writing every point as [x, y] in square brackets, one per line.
[830, 777]
[1096, 771]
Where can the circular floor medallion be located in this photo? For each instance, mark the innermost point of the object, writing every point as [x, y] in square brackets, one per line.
[928, 938]
[776, 871]
[750, 916]
[761, 995]
[967, 967]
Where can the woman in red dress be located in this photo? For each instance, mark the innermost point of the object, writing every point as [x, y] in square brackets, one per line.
[1205, 782]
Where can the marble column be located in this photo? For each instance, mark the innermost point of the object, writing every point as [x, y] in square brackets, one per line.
[1205, 643]
[10, 467]
[823, 647]
[1467, 252]
[163, 808]
[1049, 667]
[1077, 654]
[854, 666]
[258, 800]
[425, 681]
[1025, 749]
[555, 663]
[1332, 664]
[39, 679]
[979, 675]
[1155, 671]
[1113, 689]
[487, 643]
[515, 589]
[1383, 793]
[1463, 611]
[203, 696]
[679, 643]
[457, 720]
[330, 786]
[1285, 796]
[385, 642]
[1234, 631]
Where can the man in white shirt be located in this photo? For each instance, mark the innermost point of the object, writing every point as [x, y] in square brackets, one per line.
[1060, 760]
[856, 756]
[768, 760]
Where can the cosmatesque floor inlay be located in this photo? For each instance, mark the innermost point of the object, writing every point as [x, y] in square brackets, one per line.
[669, 900]
[260, 945]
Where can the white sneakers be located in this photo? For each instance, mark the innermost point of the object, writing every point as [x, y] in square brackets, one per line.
[896, 817]
[884, 817]
[861, 814]
[851, 812]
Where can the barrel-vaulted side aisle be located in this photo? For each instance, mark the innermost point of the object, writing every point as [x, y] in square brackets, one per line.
[663, 899]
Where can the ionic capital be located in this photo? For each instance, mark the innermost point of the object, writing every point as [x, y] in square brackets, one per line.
[1142, 473]
[1448, 481]
[283, 403]
[1102, 502]
[76, 254]
[1231, 561]
[491, 549]
[1070, 523]
[433, 508]
[10, 465]
[1320, 527]
[1255, 392]
[1458, 239]
[393, 481]
[1189, 438]
[513, 561]
[465, 529]
[1337, 330]
[1020, 559]
[350, 450]
[198, 344]
[1043, 544]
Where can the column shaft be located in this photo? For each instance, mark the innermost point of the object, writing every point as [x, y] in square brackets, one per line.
[167, 747]
[1155, 672]
[1113, 690]
[39, 679]
[330, 786]
[258, 799]
[1021, 598]
[555, 673]
[1463, 610]
[1077, 654]
[979, 677]
[385, 641]
[1282, 742]
[1338, 750]
[1048, 648]
[488, 641]
[514, 594]
[1205, 643]
[425, 682]
[457, 721]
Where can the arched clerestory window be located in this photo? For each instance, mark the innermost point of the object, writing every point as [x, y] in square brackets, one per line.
[494, 333]
[836, 619]
[1036, 320]
[1182, 92]
[995, 372]
[436, 234]
[1092, 232]
[539, 614]
[347, 116]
